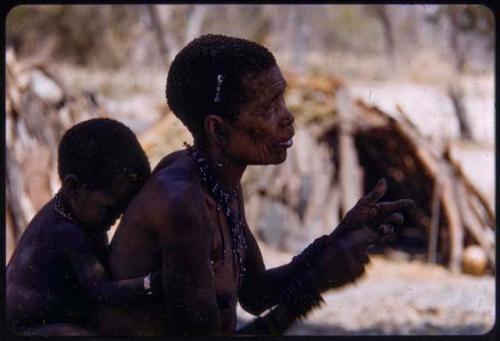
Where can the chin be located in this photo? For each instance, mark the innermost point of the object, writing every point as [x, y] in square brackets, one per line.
[276, 159]
[280, 160]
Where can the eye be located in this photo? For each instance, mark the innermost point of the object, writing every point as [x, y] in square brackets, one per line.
[273, 105]
[266, 111]
[103, 210]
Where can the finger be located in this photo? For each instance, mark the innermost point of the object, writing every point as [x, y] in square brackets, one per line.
[376, 193]
[360, 238]
[394, 219]
[385, 229]
[398, 205]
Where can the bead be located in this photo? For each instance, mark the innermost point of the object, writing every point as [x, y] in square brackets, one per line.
[223, 201]
[63, 211]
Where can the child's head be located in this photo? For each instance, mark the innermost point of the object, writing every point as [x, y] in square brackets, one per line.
[101, 166]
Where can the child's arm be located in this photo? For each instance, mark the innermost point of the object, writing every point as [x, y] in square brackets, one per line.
[82, 253]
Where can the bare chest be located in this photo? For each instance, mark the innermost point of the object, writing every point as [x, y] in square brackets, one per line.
[225, 267]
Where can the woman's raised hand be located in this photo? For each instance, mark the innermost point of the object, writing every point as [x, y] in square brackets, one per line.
[369, 216]
[345, 253]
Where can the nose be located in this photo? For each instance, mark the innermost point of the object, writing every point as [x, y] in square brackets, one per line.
[287, 119]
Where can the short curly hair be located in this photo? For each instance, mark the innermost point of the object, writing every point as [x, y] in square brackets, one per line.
[97, 150]
[193, 90]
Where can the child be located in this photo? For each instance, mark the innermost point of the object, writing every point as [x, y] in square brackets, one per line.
[57, 272]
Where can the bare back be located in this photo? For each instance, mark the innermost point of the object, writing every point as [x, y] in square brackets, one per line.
[42, 287]
[140, 241]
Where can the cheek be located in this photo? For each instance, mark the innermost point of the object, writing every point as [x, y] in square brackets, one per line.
[261, 132]
[88, 211]
[92, 214]
[256, 145]
[84, 211]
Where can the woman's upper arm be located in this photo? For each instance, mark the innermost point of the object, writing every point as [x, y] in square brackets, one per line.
[254, 262]
[187, 274]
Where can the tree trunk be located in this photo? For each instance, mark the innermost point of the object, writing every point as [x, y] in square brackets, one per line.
[195, 22]
[380, 12]
[456, 94]
[158, 31]
[453, 16]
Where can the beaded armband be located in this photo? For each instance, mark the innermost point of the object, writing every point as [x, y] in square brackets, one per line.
[301, 294]
[307, 259]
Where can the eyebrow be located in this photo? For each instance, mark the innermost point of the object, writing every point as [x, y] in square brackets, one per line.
[280, 91]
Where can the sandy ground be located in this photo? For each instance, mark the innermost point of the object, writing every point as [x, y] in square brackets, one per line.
[399, 297]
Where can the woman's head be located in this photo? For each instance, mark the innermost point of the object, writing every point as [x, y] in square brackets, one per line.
[220, 88]
[101, 166]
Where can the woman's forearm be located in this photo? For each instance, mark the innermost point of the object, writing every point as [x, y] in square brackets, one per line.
[263, 290]
[281, 317]
[261, 293]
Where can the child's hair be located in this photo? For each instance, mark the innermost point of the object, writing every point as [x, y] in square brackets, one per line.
[206, 77]
[97, 150]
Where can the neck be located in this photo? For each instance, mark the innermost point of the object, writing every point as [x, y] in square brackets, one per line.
[227, 171]
[62, 205]
[64, 200]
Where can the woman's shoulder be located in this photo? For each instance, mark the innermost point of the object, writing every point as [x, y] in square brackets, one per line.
[174, 160]
[175, 176]
[168, 160]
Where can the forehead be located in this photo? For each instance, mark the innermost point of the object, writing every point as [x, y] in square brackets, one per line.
[264, 84]
[121, 188]
[123, 185]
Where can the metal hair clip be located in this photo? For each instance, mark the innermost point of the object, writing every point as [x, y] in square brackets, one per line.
[220, 78]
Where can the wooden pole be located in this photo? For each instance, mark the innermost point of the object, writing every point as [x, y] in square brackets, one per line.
[434, 224]
[473, 225]
[349, 172]
[454, 224]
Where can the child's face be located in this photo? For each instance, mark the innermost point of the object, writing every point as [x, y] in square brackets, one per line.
[99, 209]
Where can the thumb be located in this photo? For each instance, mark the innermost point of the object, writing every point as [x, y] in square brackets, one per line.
[361, 237]
[378, 192]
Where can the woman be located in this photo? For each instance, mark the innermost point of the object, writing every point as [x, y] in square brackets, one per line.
[189, 217]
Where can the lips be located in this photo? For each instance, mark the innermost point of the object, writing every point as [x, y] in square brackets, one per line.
[285, 144]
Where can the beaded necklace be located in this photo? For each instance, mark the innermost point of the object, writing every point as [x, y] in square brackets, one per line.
[62, 210]
[223, 200]
[100, 237]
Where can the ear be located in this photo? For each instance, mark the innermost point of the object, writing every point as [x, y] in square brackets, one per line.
[216, 129]
[71, 186]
